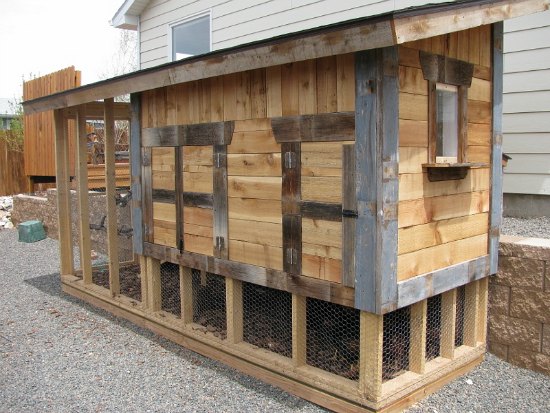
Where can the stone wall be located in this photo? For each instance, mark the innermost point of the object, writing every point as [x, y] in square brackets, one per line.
[519, 304]
[44, 208]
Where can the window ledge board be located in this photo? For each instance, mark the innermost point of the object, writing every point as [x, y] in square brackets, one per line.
[450, 171]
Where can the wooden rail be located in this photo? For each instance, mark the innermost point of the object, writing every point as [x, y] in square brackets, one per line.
[96, 175]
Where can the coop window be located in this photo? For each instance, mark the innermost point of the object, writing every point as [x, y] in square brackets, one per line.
[446, 123]
[191, 36]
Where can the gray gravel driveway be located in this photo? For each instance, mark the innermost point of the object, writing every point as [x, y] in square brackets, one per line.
[58, 354]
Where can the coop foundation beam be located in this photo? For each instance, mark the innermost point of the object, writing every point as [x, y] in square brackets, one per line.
[370, 355]
[82, 193]
[448, 324]
[417, 352]
[471, 314]
[234, 306]
[110, 194]
[186, 294]
[154, 296]
[299, 332]
[496, 154]
[63, 193]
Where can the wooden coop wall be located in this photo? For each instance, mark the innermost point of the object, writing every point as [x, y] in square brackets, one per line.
[447, 222]
[254, 170]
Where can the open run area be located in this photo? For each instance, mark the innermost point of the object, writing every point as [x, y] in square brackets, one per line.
[60, 354]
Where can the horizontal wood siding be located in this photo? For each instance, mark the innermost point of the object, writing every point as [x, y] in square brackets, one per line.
[442, 223]
[526, 104]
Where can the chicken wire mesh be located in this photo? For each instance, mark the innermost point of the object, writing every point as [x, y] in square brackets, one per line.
[332, 338]
[170, 288]
[433, 328]
[267, 318]
[460, 312]
[209, 309]
[396, 343]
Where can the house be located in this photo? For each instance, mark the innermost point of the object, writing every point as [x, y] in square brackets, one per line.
[526, 119]
[6, 114]
[319, 209]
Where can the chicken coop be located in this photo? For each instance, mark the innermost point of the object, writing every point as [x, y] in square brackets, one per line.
[319, 210]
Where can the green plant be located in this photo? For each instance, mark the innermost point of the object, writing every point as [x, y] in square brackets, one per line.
[15, 136]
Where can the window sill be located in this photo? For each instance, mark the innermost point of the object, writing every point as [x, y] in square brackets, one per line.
[450, 171]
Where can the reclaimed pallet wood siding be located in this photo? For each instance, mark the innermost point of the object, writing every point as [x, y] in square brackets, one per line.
[443, 223]
[254, 168]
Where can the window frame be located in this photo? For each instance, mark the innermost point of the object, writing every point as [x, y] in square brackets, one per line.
[184, 20]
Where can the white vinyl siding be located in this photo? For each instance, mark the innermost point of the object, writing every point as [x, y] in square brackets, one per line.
[526, 104]
[236, 22]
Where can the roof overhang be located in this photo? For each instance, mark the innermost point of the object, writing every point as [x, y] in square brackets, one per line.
[127, 16]
[347, 37]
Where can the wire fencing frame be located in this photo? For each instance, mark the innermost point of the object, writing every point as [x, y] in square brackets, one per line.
[332, 338]
[396, 343]
[170, 288]
[433, 327]
[460, 315]
[209, 305]
[267, 318]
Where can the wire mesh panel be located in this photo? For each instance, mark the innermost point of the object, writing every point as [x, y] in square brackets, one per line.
[209, 310]
[396, 343]
[267, 318]
[332, 338]
[433, 328]
[460, 310]
[170, 288]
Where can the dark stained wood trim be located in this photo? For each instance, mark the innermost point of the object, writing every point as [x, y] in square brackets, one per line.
[198, 200]
[324, 127]
[349, 203]
[292, 244]
[147, 192]
[377, 108]
[178, 159]
[305, 286]
[496, 155]
[443, 69]
[427, 285]
[165, 196]
[201, 134]
[135, 172]
[220, 232]
[321, 210]
[462, 124]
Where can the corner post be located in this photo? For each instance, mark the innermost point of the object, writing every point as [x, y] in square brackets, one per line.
[135, 170]
[377, 186]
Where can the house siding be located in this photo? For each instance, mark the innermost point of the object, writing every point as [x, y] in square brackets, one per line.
[526, 104]
[237, 22]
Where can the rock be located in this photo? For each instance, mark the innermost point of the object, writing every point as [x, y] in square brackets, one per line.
[499, 297]
[512, 331]
[8, 225]
[531, 270]
[530, 305]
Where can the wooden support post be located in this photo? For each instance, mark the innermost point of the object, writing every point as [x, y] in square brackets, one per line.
[370, 355]
[178, 158]
[448, 323]
[377, 186]
[483, 302]
[83, 201]
[147, 194]
[144, 281]
[63, 193]
[153, 285]
[186, 294]
[135, 170]
[471, 314]
[417, 350]
[349, 205]
[110, 194]
[496, 154]
[299, 332]
[234, 306]
[221, 240]
[290, 207]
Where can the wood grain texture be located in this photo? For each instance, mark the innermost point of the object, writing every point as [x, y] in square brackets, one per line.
[135, 170]
[214, 133]
[314, 128]
[349, 203]
[220, 194]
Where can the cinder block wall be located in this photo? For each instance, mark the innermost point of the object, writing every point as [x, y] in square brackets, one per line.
[519, 304]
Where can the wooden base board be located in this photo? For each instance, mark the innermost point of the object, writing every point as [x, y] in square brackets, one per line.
[131, 310]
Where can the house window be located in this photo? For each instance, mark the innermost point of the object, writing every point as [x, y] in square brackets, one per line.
[446, 123]
[190, 37]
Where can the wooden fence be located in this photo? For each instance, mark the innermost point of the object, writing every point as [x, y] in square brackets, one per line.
[39, 128]
[12, 174]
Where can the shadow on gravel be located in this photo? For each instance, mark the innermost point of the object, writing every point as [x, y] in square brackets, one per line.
[51, 285]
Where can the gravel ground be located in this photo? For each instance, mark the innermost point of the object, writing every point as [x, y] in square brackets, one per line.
[59, 354]
[526, 227]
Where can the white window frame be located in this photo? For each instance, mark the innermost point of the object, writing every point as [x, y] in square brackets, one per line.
[185, 20]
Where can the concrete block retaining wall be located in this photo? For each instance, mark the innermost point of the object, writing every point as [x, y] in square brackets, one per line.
[519, 304]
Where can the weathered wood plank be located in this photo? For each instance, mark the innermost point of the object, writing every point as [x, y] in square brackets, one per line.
[110, 194]
[147, 193]
[178, 159]
[186, 294]
[290, 207]
[197, 199]
[321, 210]
[164, 195]
[442, 69]
[214, 133]
[324, 127]
[135, 169]
[349, 211]
[220, 202]
[496, 156]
